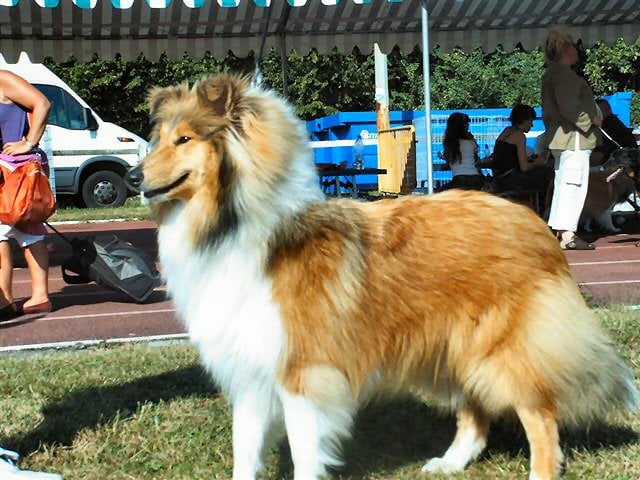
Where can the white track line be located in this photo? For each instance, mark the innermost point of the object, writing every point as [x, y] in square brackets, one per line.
[611, 282]
[78, 344]
[607, 262]
[91, 315]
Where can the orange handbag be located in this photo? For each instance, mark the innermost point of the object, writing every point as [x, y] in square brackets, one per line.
[26, 199]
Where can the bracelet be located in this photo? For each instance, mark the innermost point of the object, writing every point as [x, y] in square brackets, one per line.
[31, 145]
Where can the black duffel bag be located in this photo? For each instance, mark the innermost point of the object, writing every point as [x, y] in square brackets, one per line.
[111, 263]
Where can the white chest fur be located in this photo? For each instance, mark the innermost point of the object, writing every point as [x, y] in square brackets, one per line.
[224, 299]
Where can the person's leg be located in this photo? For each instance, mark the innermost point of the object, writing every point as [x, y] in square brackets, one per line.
[37, 258]
[569, 193]
[6, 274]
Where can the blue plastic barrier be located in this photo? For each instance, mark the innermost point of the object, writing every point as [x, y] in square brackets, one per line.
[333, 136]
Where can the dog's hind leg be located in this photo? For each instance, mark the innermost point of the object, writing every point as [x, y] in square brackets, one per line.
[469, 442]
[256, 415]
[544, 442]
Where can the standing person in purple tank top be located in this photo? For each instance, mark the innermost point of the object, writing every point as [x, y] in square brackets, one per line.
[19, 136]
[23, 118]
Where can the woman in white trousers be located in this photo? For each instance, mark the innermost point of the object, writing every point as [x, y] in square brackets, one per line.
[571, 118]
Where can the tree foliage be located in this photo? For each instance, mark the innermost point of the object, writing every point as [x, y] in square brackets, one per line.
[323, 84]
[616, 68]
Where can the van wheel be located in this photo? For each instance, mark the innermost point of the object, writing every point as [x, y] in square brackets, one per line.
[104, 189]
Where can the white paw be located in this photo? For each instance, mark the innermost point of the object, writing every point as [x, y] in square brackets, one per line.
[440, 465]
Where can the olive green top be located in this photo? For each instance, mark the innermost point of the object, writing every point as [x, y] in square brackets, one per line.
[568, 106]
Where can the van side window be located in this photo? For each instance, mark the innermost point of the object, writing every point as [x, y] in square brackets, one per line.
[65, 111]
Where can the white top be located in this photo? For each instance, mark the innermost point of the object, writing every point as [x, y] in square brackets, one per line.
[467, 165]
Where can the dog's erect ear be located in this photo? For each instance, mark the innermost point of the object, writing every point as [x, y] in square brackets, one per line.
[158, 96]
[220, 93]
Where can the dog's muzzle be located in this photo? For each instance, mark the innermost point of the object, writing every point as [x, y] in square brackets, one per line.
[135, 178]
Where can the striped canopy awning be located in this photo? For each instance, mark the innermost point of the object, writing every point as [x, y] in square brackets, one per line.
[60, 28]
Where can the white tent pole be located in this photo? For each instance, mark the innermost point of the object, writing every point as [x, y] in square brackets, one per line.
[382, 88]
[427, 92]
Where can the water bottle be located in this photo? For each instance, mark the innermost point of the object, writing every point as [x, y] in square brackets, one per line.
[358, 153]
[47, 147]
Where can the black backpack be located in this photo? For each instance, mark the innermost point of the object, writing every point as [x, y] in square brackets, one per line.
[112, 263]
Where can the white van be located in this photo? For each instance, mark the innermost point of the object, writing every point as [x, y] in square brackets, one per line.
[90, 156]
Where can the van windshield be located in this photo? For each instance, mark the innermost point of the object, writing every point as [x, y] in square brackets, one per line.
[65, 111]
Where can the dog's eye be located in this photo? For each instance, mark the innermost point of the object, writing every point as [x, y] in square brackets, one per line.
[181, 140]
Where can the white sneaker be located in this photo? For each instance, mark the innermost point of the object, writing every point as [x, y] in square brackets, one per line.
[8, 470]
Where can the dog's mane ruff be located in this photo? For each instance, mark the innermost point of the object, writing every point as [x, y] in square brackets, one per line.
[276, 174]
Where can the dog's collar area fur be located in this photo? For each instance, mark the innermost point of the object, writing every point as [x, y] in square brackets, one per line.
[615, 174]
[166, 189]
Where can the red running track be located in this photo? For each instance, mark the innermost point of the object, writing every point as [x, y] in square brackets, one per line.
[89, 314]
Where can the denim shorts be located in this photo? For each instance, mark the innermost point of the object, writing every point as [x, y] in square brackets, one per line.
[24, 239]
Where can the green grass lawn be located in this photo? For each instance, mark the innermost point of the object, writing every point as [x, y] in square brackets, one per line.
[131, 210]
[149, 412]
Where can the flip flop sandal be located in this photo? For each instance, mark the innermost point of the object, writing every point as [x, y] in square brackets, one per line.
[577, 244]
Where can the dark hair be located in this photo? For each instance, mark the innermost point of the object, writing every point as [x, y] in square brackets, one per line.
[457, 129]
[520, 113]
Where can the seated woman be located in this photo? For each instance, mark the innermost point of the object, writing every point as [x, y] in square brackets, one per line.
[619, 135]
[461, 153]
[513, 169]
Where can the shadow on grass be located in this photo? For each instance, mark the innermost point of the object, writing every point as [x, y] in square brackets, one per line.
[395, 433]
[388, 434]
[94, 407]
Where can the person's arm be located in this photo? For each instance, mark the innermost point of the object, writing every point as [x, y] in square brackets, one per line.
[525, 161]
[566, 86]
[20, 91]
[520, 142]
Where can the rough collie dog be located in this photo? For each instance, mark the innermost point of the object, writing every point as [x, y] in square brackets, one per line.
[610, 184]
[303, 308]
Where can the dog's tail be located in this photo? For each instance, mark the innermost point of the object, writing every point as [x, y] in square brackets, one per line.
[573, 357]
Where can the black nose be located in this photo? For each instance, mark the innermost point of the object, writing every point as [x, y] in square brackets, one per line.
[134, 178]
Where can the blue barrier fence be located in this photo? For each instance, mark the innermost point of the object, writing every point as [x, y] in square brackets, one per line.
[333, 136]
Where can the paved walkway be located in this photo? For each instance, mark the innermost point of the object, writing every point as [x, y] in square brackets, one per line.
[91, 314]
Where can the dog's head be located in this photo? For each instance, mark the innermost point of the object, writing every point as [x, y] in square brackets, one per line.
[623, 161]
[223, 149]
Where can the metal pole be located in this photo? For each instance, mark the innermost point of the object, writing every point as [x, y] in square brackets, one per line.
[427, 92]
[382, 89]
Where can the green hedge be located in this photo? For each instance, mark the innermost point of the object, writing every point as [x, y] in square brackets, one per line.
[324, 84]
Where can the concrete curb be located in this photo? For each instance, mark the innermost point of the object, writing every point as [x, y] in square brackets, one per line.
[87, 344]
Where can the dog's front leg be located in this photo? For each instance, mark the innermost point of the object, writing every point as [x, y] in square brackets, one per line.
[315, 429]
[255, 413]
[302, 420]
